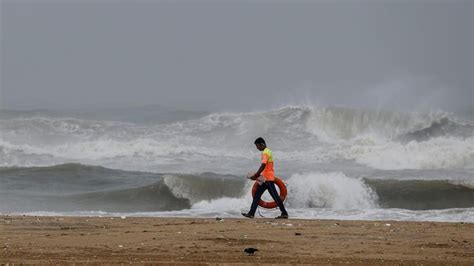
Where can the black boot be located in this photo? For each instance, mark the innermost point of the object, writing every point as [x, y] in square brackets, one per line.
[282, 216]
[248, 215]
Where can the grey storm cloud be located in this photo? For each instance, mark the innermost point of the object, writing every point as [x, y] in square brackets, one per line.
[238, 54]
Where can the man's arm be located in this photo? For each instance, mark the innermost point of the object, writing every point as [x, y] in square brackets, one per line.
[260, 170]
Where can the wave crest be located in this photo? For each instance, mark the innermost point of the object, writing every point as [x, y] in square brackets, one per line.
[378, 139]
[329, 190]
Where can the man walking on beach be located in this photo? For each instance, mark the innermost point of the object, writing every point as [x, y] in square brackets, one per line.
[265, 170]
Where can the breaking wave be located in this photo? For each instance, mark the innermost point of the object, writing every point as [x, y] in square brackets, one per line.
[75, 187]
[94, 188]
[378, 139]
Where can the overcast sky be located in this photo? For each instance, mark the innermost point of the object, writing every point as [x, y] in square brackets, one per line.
[238, 55]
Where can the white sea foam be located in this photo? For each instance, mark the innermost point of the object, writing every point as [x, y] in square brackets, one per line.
[449, 215]
[329, 190]
[309, 134]
[311, 190]
[303, 139]
[436, 153]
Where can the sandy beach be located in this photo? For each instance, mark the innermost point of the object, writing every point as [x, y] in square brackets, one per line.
[98, 240]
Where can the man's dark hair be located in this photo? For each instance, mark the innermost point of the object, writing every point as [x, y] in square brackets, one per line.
[260, 141]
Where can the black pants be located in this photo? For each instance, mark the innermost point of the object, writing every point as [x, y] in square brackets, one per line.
[270, 185]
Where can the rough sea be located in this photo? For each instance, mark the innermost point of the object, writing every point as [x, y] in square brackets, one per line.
[338, 163]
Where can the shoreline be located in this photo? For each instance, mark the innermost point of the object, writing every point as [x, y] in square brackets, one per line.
[98, 240]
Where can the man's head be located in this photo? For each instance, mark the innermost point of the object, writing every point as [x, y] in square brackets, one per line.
[260, 143]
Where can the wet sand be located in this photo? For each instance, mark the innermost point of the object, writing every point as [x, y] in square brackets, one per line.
[99, 240]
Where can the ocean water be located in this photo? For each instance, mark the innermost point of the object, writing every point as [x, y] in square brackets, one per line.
[338, 163]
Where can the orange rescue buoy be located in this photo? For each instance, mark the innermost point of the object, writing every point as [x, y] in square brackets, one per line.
[271, 204]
